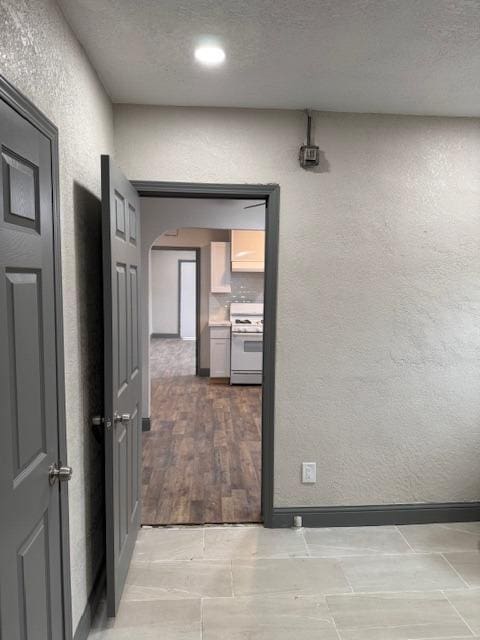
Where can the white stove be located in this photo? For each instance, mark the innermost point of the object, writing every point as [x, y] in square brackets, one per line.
[246, 362]
[247, 328]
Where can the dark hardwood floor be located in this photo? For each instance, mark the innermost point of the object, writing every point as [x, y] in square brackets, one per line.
[201, 459]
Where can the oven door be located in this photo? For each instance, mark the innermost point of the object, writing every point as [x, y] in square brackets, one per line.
[246, 358]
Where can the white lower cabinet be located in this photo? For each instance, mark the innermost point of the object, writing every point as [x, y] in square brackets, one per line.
[220, 352]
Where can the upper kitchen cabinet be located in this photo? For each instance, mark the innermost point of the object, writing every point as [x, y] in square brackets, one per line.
[248, 250]
[220, 267]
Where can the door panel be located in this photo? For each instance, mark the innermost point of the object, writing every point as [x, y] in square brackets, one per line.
[28, 420]
[121, 327]
[134, 319]
[121, 263]
[34, 583]
[31, 606]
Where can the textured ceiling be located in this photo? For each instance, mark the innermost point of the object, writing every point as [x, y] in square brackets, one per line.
[383, 56]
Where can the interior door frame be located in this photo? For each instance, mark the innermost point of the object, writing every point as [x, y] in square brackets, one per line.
[197, 292]
[271, 194]
[180, 263]
[24, 107]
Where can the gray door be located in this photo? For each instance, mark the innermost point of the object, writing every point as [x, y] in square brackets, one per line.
[123, 429]
[30, 550]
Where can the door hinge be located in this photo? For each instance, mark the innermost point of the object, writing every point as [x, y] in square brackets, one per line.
[98, 421]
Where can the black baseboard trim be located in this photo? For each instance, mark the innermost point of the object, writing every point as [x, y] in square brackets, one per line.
[146, 424]
[165, 335]
[85, 623]
[377, 514]
[204, 373]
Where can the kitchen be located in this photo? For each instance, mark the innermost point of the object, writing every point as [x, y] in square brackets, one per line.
[236, 307]
[202, 453]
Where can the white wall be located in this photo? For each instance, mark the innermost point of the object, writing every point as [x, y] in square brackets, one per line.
[378, 338]
[42, 58]
[164, 290]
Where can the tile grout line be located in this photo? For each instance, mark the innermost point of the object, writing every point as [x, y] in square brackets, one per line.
[287, 556]
[307, 548]
[458, 613]
[231, 578]
[344, 573]
[455, 638]
[201, 618]
[333, 619]
[405, 538]
[457, 572]
[336, 629]
[330, 594]
[407, 625]
[338, 558]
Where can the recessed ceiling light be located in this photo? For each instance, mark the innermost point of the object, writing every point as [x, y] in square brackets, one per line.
[209, 55]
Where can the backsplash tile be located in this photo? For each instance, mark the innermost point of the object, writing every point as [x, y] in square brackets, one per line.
[246, 287]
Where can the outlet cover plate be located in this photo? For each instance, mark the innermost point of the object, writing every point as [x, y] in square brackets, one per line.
[309, 472]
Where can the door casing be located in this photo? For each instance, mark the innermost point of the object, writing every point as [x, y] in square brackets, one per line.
[24, 107]
[180, 264]
[271, 194]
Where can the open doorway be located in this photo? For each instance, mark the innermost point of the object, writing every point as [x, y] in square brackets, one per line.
[202, 457]
[172, 208]
[175, 301]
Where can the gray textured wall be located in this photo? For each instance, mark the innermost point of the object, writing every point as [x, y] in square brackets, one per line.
[39, 54]
[378, 344]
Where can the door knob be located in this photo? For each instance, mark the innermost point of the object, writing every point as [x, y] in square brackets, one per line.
[60, 473]
[121, 417]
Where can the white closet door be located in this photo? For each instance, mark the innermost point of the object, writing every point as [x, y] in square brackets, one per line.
[188, 300]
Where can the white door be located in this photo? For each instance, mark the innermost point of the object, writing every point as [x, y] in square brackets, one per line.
[188, 277]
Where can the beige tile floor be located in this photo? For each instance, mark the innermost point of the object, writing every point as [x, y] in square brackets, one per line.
[249, 583]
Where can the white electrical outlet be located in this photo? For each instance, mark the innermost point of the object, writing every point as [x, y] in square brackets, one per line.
[309, 472]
